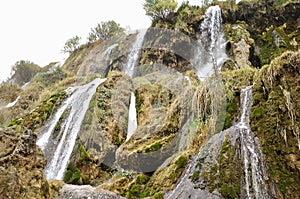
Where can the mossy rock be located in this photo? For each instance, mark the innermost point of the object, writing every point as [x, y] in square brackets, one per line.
[272, 120]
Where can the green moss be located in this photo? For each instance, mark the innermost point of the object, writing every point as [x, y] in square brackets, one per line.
[257, 113]
[226, 174]
[238, 31]
[133, 190]
[145, 193]
[195, 175]
[228, 192]
[84, 155]
[138, 103]
[274, 41]
[68, 176]
[181, 162]
[154, 147]
[72, 175]
[274, 126]
[39, 115]
[158, 195]
[142, 179]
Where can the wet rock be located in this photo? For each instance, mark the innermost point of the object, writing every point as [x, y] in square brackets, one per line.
[85, 192]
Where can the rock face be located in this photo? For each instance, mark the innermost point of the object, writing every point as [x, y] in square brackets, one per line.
[222, 166]
[275, 121]
[194, 139]
[22, 163]
[86, 191]
[272, 35]
[239, 45]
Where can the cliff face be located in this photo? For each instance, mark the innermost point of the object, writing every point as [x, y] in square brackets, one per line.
[234, 134]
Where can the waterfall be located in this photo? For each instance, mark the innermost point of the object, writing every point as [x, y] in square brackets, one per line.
[77, 105]
[105, 55]
[254, 179]
[132, 120]
[251, 153]
[211, 52]
[49, 127]
[133, 57]
[134, 53]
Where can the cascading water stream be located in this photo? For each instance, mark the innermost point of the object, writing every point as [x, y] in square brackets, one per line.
[251, 152]
[132, 120]
[134, 53]
[77, 106]
[254, 181]
[133, 57]
[211, 53]
[49, 127]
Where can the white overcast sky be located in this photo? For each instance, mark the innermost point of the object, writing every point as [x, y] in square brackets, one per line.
[36, 30]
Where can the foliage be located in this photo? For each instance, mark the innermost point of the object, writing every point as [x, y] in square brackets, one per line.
[71, 45]
[72, 174]
[23, 72]
[159, 9]
[50, 77]
[105, 31]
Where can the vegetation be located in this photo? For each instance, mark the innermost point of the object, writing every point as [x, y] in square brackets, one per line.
[160, 9]
[273, 120]
[23, 71]
[161, 115]
[71, 45]
[105, 31]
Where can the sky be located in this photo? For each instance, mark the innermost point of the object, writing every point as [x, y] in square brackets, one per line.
[37, 30]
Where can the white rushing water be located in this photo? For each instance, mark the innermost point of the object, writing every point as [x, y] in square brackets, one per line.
[251, 153]
[49, 127]
[77, 106]
[132, 119]
[254, 181]
[211, 53]
[105, 55]
[134, 53]
[133, 58]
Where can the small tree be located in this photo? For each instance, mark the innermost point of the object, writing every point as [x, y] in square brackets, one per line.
[71, 45]
[159, 9]
[105, 31]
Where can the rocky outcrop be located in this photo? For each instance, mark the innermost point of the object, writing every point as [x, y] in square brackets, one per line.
[22, 164]
[103, 130]
[274, 26]
[168, 48]
[275, 120]
[178, 115]
[86, 191]
[239, 45]
[160, 118]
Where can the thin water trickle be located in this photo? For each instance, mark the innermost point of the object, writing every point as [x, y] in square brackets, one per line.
[11, 104]
[77, 105]
[105, 55]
